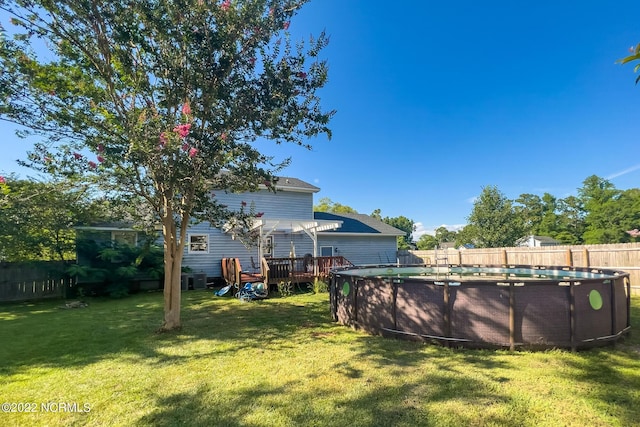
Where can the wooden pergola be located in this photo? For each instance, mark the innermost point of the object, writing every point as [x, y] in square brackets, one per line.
[311, 228]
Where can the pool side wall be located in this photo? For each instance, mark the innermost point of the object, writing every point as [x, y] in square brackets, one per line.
[473, 313]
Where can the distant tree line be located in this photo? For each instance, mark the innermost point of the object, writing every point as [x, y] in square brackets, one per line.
[37, 218]
[599, 213]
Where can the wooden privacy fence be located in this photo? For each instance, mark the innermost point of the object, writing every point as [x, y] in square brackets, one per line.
[33, 280]
[619, 256]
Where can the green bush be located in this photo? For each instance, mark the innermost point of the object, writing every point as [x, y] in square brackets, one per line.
[285, 289]
[112, 269]
[319, 286]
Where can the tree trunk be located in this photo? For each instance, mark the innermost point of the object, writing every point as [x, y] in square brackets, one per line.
[173, 251]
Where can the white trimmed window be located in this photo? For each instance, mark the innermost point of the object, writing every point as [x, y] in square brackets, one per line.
[198, 243]
[125, 237]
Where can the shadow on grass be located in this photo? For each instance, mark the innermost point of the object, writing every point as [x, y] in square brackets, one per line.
[613, 376]
[40, 335]
[397, 405]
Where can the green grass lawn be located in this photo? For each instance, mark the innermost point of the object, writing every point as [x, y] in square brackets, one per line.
[283, 362]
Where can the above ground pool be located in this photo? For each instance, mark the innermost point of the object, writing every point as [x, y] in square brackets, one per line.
[485, 306]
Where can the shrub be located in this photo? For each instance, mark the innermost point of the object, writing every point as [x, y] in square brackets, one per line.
[319, 286]
[285, 289]
[114, 269]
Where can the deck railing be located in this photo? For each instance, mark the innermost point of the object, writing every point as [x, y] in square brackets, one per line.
[302, 269]
[276, 270]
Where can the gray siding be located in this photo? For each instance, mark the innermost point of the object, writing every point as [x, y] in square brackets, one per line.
[283, 204]
[222, 246]
[292, 205]
[362, 250]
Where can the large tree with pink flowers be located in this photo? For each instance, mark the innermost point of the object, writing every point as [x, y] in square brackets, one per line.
[161, 101]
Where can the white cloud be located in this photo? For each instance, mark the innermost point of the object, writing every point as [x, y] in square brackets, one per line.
[623, 172]
[422, 229]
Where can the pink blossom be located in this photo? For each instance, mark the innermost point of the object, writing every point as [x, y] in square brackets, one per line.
[163, 139]
[302, 75]
[286, 25]
[243, 203]
[78, 156]
[100, 148]
[225, 5]
[259, 214]
[47, 159]
[185, 147]
[183, 129]
[634, 233]
[100, 159]
[223, 136]
[92, 164]
[193, 152]
[270, 11]
[2, 180]
[186, 109]
[252, 61]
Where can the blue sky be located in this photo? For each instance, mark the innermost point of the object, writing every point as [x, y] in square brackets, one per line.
[435, 100]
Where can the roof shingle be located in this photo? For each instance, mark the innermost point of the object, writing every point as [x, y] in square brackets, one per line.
[358, 223]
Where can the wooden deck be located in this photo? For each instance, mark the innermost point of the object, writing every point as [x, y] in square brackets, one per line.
[303, 269]
[276, 270]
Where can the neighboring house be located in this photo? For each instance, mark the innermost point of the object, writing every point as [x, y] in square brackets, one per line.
[447, 245]
[466, 246]
[105, 233]
[536, 241]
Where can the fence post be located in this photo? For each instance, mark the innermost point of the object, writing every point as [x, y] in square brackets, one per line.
[504, 257]
[585, 255]
[569, 257]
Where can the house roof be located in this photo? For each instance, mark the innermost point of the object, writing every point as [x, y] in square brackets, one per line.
[108, 226]
[447, 245]
[355, 223]
[286, 183]
[545, 239]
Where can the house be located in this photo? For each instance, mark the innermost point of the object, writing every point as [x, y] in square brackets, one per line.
[536, 241]
[288, 227]
[361, 239]
[447, 245]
